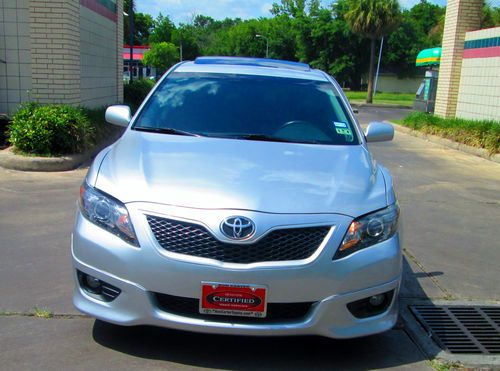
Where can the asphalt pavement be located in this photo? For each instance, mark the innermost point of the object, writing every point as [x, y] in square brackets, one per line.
[450, 210]
[450, 204]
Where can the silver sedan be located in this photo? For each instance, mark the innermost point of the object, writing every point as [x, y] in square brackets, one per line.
[241, 199]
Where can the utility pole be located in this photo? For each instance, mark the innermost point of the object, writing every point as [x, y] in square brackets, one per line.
[378, 66]
[267, 43]
[131, 38]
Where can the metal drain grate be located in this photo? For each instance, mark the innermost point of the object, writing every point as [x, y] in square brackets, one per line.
[461, 329]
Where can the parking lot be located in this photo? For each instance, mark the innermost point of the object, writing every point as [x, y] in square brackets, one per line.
[450, 204]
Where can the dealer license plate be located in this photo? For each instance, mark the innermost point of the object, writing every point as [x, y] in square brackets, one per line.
[233, 299]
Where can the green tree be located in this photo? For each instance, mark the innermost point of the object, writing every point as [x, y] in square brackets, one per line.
[416, 31]
[491, 15]
[161, 55]
[163, 29]
[296, 8]
[185, 36]
[373, 19]
[143, 25]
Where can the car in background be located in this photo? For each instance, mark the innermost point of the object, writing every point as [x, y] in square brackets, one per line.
[241, 199]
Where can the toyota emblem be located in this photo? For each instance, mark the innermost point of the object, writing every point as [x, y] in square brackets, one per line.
[237, 227]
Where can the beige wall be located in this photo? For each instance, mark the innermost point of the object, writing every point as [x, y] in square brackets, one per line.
[55, 51]
[58, 51]
[461, 16]
[479, 93]
[15, 74]
[392, 84]
[98, 51]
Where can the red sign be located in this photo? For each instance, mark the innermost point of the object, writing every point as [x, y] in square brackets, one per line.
[233, 300]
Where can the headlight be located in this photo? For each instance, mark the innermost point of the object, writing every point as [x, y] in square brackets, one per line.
[107, 212]
[369, 230]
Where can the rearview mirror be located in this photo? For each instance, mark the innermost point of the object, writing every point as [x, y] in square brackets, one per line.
[118, 115]
[379, 132]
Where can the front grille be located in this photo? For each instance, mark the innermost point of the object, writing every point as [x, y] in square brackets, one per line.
[189, 307]
[462, 329]
[196, 240]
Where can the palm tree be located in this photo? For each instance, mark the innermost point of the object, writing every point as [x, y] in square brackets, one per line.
[372, 19]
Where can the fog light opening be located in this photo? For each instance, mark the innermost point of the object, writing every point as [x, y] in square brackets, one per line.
[97, 288]
[371, 305]
[377, 300]
[93, 283]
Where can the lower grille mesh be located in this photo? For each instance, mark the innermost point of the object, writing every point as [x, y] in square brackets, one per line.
[189, 307]
[195, 240]
[462, 329]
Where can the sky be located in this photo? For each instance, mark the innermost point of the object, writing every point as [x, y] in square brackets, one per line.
[182, 11]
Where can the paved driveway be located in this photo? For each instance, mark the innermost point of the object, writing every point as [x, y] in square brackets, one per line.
[450, 204]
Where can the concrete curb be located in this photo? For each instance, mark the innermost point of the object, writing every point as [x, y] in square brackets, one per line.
[480, 152]
[10, 160]
[380, 105]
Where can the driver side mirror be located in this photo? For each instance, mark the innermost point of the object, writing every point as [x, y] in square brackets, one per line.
[379, 132]
[118, 115]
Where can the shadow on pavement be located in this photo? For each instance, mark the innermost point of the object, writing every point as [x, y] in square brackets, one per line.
[390, 349]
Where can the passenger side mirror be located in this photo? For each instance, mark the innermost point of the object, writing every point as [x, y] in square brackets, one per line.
[118, 115]
[379, 132]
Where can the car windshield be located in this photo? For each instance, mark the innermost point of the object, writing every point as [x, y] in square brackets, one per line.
[248, 107]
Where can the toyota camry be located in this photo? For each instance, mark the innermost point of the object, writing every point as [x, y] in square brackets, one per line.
[242, 199]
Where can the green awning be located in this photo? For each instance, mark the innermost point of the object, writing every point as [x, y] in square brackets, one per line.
[429, 57]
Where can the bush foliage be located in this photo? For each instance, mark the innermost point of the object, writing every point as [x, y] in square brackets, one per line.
[50, 130]
[476, 133]
[135, 92]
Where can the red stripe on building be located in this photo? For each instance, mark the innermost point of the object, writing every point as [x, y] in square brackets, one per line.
[99, 9]
[137, 57]
[126, 46]
[490, 52]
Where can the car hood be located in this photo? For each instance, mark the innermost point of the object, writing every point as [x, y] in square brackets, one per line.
[213, 173]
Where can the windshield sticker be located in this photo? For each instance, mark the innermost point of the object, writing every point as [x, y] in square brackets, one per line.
[343, 131]
[340, 124]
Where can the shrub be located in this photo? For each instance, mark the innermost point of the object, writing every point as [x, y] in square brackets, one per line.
[476, 133]
[135, 92]
[51, 130]
[105, 133]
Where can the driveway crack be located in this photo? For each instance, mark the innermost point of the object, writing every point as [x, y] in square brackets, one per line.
[447, 295]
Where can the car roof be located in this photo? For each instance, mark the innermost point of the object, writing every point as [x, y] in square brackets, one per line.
[252, 66]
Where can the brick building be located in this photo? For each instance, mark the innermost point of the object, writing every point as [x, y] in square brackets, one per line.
[60, 51]
[469, 74]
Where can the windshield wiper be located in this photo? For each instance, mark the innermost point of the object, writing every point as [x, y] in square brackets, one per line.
[262, 137]
[270, 138]
[165, 131]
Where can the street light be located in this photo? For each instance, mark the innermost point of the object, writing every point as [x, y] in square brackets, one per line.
[267, 43]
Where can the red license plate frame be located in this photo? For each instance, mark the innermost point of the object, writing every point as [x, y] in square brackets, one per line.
[229, 299]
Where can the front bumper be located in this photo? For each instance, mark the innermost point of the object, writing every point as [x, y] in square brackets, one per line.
[330, 285]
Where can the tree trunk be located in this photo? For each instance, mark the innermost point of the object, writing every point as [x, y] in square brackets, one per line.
[369, 97]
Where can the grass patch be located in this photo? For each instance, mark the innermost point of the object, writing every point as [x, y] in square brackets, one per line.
[480, 134]
[446, 366]
[402, 99]
[42, 313]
